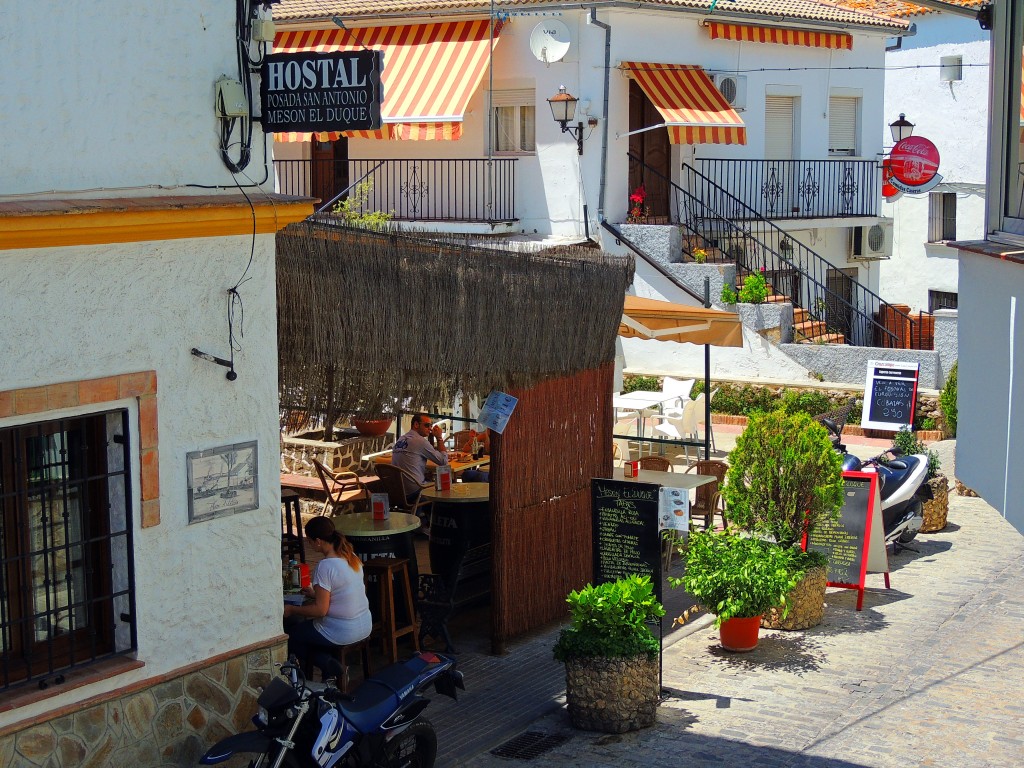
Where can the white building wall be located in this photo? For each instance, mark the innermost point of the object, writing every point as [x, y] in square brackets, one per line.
[953, 116]
[112, 100]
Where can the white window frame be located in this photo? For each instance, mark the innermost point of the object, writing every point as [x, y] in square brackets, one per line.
[858, 104]
[1006, 184]
[515, 98]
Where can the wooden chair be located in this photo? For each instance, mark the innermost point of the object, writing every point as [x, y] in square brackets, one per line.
[393, 479]
[709, 496]
[460, 438]
[341, 488]
[655, 463]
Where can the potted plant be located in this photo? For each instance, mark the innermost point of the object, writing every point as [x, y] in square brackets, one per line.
[934, 508]
[738, 578]
[784, 477]
[611, 656]
[700, 256]
[638, 211]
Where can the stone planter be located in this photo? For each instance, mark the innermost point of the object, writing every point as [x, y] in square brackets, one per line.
[612, 695]
[963, 490]
[936, 511]
[806, 603]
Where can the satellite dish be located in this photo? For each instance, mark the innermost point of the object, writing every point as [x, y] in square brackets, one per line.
[550, 41]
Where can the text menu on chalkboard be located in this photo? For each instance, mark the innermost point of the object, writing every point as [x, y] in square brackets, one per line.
[842, 541]
[890, 395]
[625, 530]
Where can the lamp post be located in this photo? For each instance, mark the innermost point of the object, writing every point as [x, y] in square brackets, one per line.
[563, 110]
[901, 129]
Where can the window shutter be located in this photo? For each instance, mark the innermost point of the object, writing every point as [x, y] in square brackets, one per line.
[934, 217]
[778, 127]
[515, 97]
[842, 125]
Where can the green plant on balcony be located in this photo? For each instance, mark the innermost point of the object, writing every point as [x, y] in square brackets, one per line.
[351, 209]
[700, 256]
[755, 288]
[728, 294]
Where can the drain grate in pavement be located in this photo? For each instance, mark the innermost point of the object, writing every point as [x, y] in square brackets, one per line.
[528, 745]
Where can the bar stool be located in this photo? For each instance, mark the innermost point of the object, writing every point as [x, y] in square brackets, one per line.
[339, 653]
[291, 543]
[388, 570]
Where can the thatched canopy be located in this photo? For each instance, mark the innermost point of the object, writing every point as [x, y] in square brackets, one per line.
[368, 319]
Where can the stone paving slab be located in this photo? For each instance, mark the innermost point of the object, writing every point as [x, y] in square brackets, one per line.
[929, 673]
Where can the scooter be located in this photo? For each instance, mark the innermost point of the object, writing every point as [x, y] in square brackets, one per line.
[902, 484]
[302, 723]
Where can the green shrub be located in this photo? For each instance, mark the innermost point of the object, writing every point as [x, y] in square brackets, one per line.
[784, 476]
[610, 620]
[736, 576]
[728, 294]
[350, 209]
[908, 444]
[633, 382]
[755, 288]
[928, 424]
[947, 402]
[809, 401]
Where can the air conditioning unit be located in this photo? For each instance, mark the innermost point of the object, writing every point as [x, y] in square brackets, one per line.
[733, 87]
[872, 243]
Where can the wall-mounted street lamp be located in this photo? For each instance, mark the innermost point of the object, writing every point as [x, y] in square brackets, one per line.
[901, 129]
[563, 109]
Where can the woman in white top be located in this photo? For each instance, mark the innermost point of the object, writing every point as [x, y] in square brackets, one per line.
[340, 612]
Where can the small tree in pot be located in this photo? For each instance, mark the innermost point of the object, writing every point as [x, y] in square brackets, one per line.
[611, 656]
[935, 504]
[784, 477]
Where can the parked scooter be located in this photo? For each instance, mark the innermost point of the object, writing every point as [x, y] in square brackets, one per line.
[902, 484]
[303, 723]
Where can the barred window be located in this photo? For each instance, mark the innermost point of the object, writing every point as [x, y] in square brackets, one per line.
[66, 578]
[941, 300]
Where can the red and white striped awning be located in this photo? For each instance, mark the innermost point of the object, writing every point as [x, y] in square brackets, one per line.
[780, 35]
[431, 71]
[695, 111]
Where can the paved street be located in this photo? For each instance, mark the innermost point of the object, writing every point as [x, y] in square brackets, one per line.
[929, 673]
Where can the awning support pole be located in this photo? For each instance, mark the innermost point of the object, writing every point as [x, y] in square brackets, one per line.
[707, 378]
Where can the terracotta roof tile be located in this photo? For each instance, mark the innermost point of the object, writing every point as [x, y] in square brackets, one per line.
[898, 8]
[796, 10]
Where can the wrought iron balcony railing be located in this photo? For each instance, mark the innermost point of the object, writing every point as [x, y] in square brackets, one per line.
[464, 190]
[797, 189]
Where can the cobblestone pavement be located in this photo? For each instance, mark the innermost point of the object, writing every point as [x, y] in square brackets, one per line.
[929, 673]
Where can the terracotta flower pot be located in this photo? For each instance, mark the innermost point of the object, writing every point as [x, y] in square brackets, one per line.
[740, 634]
[372, 427]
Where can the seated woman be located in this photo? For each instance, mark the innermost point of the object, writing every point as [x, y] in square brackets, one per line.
[483, 440]
[340, 612]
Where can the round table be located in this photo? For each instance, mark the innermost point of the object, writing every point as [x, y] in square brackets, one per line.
[381, 538]
[459, 493]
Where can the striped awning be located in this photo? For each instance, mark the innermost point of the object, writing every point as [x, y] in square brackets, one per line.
[695, 111]
[780, 35]
[423, 100]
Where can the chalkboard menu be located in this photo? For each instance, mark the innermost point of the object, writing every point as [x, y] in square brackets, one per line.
[625, 528]
[890, 395]
[843, 541]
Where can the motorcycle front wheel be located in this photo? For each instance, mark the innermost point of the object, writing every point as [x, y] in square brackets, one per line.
[415, 747]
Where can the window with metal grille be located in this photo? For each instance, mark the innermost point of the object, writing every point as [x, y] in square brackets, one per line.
[66, 574]
[941, 216]
[941, 300]
[514, 120]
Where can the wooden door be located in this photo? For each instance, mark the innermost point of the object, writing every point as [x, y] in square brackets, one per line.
[328, 169]
[653, 148]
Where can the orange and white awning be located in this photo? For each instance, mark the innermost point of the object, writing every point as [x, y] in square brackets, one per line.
[694, 110]
[431, 71]
[780, 35]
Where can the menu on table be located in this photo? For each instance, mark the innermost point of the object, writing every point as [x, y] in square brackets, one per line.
[625, 531]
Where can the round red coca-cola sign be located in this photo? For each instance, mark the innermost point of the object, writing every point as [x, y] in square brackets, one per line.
[914, 161]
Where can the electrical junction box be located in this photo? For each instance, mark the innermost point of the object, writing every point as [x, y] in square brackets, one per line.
[230, 98]
[263, 30]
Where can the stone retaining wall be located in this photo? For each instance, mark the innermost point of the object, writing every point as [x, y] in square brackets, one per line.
[168, 722]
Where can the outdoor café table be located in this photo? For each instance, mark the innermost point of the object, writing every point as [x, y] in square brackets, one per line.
[460, 538]
[457, 465]
[640, 401]
[684, 480]
[381, 538]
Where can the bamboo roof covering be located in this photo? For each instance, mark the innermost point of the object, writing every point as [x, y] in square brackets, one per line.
[662, 320]
[370, 320]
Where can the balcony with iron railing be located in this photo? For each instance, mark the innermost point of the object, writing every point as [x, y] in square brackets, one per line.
[472, 190]
[797, 189]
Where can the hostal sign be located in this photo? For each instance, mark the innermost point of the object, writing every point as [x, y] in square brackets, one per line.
[321, 92]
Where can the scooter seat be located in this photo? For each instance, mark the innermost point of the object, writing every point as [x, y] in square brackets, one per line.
[893, 473]
[377, 699]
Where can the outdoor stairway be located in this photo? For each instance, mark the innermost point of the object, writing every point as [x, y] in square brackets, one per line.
[807, 330]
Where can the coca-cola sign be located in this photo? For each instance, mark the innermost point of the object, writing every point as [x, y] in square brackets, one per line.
[914, 162]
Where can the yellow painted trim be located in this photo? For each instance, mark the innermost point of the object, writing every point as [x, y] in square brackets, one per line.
[62, 228]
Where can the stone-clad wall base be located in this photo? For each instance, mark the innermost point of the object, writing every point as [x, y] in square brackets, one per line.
[168, 725]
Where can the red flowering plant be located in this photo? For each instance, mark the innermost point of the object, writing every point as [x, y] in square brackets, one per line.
[638, 212]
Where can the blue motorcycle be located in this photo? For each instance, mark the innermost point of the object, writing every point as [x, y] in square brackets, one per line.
[302, 723]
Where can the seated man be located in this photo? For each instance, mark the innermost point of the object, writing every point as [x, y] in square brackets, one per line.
[413, 449]
[483, 440]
